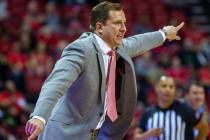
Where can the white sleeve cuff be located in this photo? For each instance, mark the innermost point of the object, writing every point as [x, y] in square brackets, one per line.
[39, 118]
[163, 34]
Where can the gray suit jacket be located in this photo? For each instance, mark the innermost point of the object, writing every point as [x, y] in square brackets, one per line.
[72, 97]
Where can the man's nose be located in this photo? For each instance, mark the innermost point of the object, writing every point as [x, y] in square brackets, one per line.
[168, 89]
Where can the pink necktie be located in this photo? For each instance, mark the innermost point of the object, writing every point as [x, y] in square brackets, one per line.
[111, 101]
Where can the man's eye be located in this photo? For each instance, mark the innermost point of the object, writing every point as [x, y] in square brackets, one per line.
[171, 87]
[163, 86]
[117, 23]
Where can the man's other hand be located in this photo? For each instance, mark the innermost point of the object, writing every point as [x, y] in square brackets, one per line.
[33, 128]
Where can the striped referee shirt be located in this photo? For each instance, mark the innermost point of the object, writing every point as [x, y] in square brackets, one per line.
[177, 120]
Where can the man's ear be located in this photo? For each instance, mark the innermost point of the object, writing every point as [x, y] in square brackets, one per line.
[99, 27]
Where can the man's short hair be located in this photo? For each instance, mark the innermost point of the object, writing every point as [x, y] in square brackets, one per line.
[161, 77]
[195, 83]
[100, 13]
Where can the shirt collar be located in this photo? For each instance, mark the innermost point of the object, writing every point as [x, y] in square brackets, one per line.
[102, 44]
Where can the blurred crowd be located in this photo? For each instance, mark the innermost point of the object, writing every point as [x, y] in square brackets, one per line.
[33, 34]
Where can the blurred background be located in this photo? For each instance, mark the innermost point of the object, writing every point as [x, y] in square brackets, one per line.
[33, 34]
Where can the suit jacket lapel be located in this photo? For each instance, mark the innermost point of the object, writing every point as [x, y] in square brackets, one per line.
[121, 52]
[101, 66]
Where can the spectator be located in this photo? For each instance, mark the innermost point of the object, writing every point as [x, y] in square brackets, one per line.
[196, 99]
[178, 71]
[3, 9]
[145, 66]
[143, 25]
[33, 18]
[27, 39]
[13, 105]
[17, 62]
[59, 48]
[52, 17]
[206, 48]
[192, 46]
[39, 65]
[147, 72]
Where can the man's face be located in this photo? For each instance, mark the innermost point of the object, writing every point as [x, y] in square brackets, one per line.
[196, 96]
[166, 90]
[114, 29]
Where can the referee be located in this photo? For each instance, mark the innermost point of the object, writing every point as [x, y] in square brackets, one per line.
[170, 119]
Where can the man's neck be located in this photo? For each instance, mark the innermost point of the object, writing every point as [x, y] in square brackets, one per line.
[164, 105]
[99, 35]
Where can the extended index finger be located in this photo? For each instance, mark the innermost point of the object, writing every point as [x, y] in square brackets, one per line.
[180, 26]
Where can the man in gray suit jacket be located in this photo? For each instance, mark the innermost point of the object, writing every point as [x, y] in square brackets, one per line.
[73, 104]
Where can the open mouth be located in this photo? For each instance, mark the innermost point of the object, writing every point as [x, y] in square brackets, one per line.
[120, 37]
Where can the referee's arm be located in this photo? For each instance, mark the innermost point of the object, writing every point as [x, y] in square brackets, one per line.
[203, 129]
[140, 135]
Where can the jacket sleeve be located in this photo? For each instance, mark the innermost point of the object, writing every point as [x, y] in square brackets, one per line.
[138, 44]
[66, 70]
